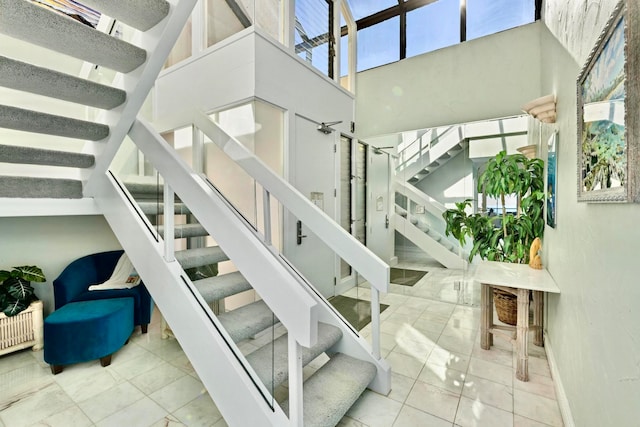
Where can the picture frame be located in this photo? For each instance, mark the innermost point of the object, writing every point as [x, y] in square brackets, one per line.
[608, 94]
[552, 179]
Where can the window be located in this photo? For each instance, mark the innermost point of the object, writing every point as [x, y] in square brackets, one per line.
[362, 8]
[379, 44]
[420, 26]
[312, 33]
[486, 17]
[433, 27]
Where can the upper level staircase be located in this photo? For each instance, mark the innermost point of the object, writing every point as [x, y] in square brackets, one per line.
[425, 228]
[419, 216]
[425, 154]
[306, 326]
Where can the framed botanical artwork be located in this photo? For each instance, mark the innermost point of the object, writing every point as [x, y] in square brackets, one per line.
[552, 171]
[608, 122]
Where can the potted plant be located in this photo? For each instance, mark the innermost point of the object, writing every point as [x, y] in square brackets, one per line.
[16, 292]
[506, 238]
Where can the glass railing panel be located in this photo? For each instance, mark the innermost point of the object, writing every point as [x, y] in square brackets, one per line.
[316, 266]
[224, 18]
[268, 17]
[218, 282]
[312, 30]
[183, 47]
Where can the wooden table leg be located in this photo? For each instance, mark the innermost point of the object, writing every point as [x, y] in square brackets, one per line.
[486, 304]
[538, 305]
[522, 332]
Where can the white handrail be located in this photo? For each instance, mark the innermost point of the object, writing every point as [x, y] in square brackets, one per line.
[422, 149]
[344, 244]
[432, 205]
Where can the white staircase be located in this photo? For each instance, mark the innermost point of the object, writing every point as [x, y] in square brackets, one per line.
[425, 228]
[418, 160]
[427, 153]
[242, 387]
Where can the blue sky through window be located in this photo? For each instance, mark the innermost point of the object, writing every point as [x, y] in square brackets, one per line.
[486, 17]
[362, 8]
[379, 44]
[430, 27]
[433, 27]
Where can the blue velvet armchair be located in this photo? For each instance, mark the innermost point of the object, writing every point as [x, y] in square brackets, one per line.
[73, 285]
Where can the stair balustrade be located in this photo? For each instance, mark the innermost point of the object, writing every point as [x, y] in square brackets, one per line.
[283, 295]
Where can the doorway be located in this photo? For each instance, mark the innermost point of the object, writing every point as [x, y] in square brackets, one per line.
[313, 174]
[352, 201]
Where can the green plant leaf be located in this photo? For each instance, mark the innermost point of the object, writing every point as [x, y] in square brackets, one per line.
[4, 275]
[19, 289]
[30, 273]
[14, 307]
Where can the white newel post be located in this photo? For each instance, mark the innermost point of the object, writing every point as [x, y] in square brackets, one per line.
[266, 207]
[169, 224]
[375, 322]
[295, 383]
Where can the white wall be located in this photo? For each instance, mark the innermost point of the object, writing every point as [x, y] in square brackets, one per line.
[489, 77]
[452, 182]
[594, 325]
[52, 243]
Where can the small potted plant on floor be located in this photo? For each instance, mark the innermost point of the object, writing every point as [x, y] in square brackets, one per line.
[509, 238]
[16, 292]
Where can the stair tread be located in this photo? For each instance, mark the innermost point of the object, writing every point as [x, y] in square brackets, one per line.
[139, 14]
[34, 121]
[37, 156]
[246, 321]
[331, 391]
[222, 286]
[42, 81]
[153, 208]
[190, 258]
[30, 187]
[143, 185]
[186, 230]
[271, 360]
[35, 24]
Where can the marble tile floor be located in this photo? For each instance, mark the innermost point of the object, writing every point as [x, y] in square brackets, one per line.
[441, 377]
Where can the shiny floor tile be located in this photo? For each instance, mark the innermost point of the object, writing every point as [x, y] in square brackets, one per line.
[440, 375]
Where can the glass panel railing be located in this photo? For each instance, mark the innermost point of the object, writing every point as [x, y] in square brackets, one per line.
[217, 20]
[312, 34]
[412, 152]
[310, 258]
[228, 299]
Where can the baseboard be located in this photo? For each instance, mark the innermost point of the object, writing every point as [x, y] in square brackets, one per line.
[561, 395]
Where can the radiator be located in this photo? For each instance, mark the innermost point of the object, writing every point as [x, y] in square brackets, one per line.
[23, 330]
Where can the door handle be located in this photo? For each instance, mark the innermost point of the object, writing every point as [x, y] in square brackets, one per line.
[299, 234]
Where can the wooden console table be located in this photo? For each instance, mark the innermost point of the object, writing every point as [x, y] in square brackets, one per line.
[519, 280]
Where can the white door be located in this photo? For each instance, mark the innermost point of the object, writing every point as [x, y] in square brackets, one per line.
[379, 188]
[313, 174]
